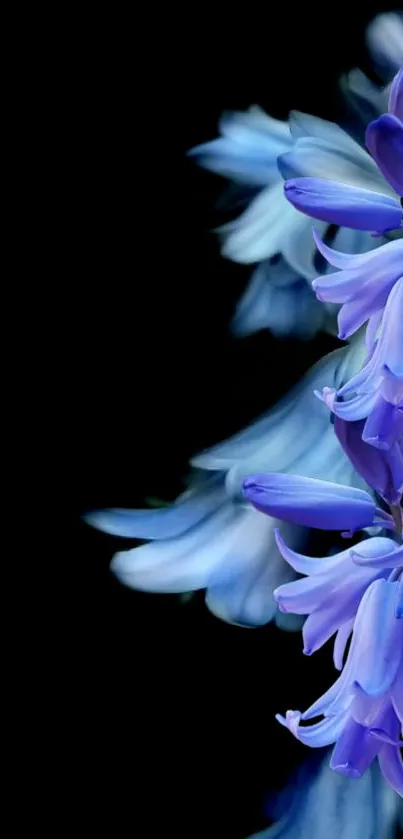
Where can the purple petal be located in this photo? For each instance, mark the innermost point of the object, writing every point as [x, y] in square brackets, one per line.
[355, 261]
[392, 557]
[384, 426]
[354, 751]
[310, 502]
[354, 409]
[372, 330]
[397, 695]
[376, 651]
[309, 565]
[340, 643]
[396, 96]
[384, 139]
[383, 470]
[321, 734]
[347, 206]
[325, 621]
[326, 701]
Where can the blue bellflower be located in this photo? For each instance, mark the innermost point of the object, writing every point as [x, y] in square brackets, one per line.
[358, 591]
[208, 539]
[382, 469]
[361, 285]
[332, 589]
[254, 151]
[363, 710]
[375, 393]
[345, 201]
[270, 231]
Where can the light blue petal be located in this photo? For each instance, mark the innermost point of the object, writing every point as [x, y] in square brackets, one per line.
[262, 230]
[242, 592]
[163, 523]
[314, 158]
[300, 250]
[377, 661]
[321, 803]
[307, 126]
[248, 150]
[184, 563]
[285, 308]
[232, 554]
[267, 440]
[385, 41]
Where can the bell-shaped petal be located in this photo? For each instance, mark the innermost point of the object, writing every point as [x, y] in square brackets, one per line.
[376, 653]
[381, 469]
[384, 139]
[317, 158]
[362, 285]
[375, 393]
[332, 591]
[193, 506]
[248, 149]
[262, 230]
[360, 708]
[338, 203]
[232, 554]
[390, 555]
[280, 300]
[274, 442]
[248, 152]
[310, 502]
[207, 538]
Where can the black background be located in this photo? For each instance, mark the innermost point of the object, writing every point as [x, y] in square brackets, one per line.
[171, 711]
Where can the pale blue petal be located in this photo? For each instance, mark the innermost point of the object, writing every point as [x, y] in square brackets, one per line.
[385, 41]
[285, 305]
[262, 230]
[299, 249]
[165, 522]
[306, 125]
[321, 803]
[314, 158]
[232, 553]
[268, 440]
[248, 149]
[186, 562]
[244, 596]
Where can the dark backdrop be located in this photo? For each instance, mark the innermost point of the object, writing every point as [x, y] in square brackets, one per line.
[171, 710]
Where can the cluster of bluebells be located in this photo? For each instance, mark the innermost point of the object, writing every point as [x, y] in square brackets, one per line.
[357, 594]
[238, 529]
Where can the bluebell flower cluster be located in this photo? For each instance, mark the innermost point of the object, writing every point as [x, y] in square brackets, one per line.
[329, 456]
[357, 594]
[209, 538]
[255, 152]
